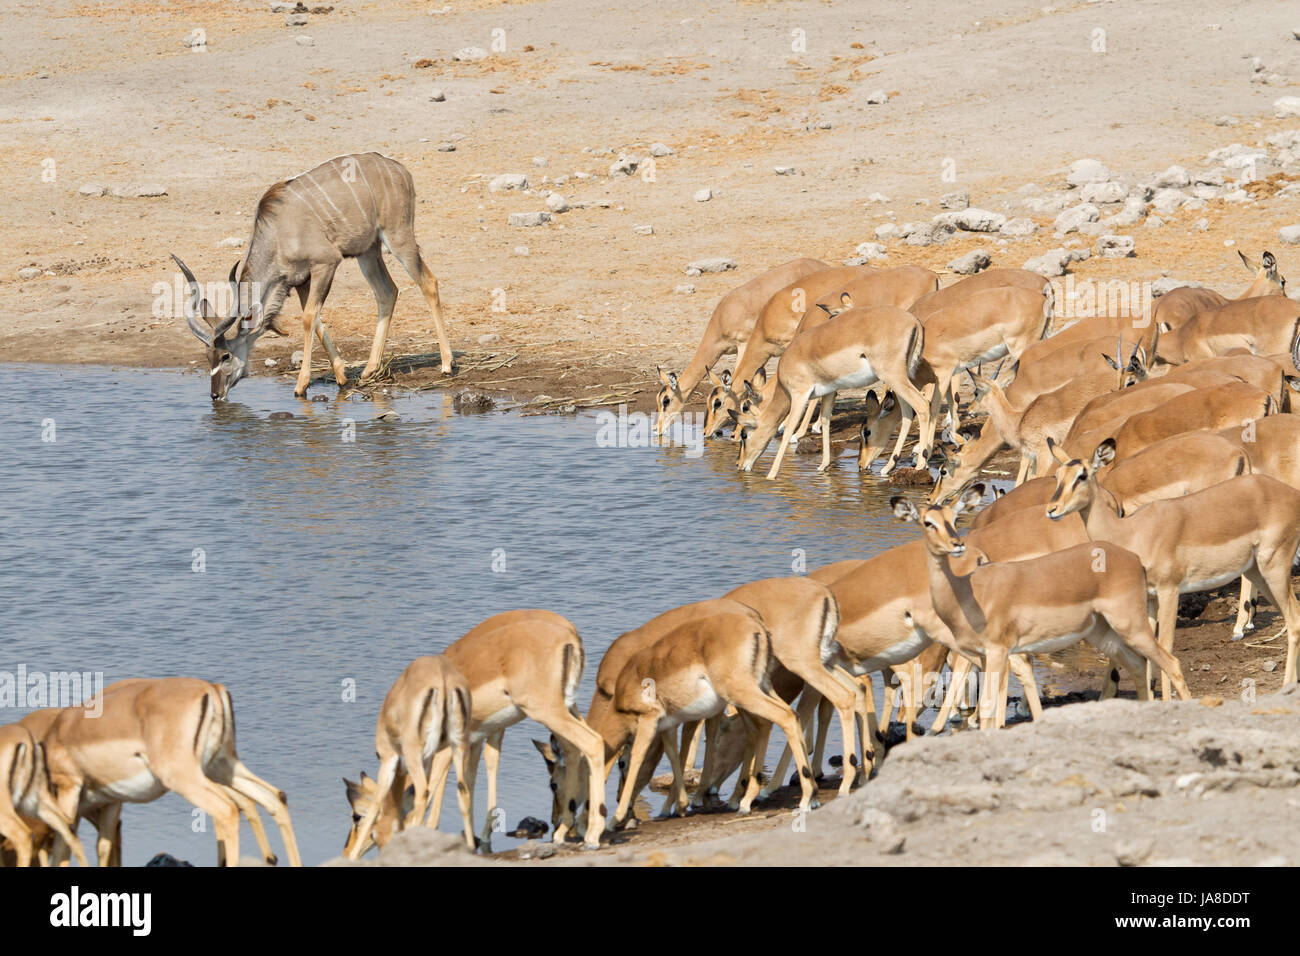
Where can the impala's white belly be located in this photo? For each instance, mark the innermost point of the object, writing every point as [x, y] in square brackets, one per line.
[992, 355]
[1049, 644]
[862, 377]
[1214, 580]
[898, 653]
[141, 787]
[502, 719]
[706, 704]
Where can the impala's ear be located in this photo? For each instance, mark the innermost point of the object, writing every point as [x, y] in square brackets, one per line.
[1104, 454]
[1293, 382]
[1270, 263]
[825, 308]
[968, 500]
[1164, 327]
[1244, 261]
[752, 394]
[726, 378]
[903, 509]
[667, 379]
[731, 413]
[1057, 452]
[1110, 361]
[978, 488]
[548, 753]
[761, 377]
[716, 380]
[846, 300]
[890, 402]
[871, 406]
[999, 493]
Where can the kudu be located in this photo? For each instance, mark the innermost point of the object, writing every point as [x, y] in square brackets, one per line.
[349, 207]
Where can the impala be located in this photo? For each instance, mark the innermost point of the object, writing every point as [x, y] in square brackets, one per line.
[1096, 592]
[856, 349]
[426, 711]
[1246, 526]
[795, 308]
[153, 736]
[990, 324]
[1265, 325]
[729, 328]
[349, 207]
[1211, 408]
[1176, 307]
[955, 295]
[524, 664]
[25, 793]
[691, 673]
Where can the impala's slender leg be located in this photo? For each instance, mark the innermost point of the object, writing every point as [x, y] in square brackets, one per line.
[812, 419]
[460, 754]
[645, 732]
[569, 728]
[1023, 668]
[438, 771]
[806, 714]
[676, 802]
[1245, 609]
[842, 699]
[957, 677]
[818, 757]
[798, 403]
[420, 781]
[1135, 631]
[275, 803]
[190, 783]
[827, 408]
[712, 743]
[1274, 580]
[322, 277]
[995, 666]
[915, 403]
[383, 784]
[471, 766]
[48, 813]
[401, 243]
[753, 774]
[381, 283]
[764, 706]
[692, 746]
[249, 809]
[492, 759]
[1166, 620]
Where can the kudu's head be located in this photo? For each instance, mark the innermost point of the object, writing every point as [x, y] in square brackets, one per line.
[1268, 281]
[228, 338]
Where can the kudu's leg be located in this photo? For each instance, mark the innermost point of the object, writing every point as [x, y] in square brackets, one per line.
[381, 283]
[403, 246]
[336, 360]
[322, 277]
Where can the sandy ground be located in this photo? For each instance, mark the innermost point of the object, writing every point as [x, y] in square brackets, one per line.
[109, 95]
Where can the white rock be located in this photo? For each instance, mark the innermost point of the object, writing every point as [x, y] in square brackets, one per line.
[436, 95]
[1103, 192]
[529, 218]
[1083, 171]
[1019, 228]
[470, 54]
[231, 242]
[1050, 264]
[295, 19]
[270, 363]
[198, 40]
[717, 264]
[489, 338]
[1285, 140]
[557, 203]
[888, 231]
[646, 230]
[1071, 219]
[540, 162]
[870, 250]
[1115, 247]
[703, 195]
[92, 189]
[138, 191]
[625, 166]
[1174, 176]
[304, 41]
[1166, 201]
[1289, 234]
[1286, 106]
[684, 289]
[521, 250]
[877, 197]
[877, 96]
[980, 220]
[783, 170]
[1046, 205]
[974, 261]
[29, 272]
[659, 149]
[955, 200]
[508, 181]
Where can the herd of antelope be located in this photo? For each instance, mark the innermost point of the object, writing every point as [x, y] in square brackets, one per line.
[1158, 456]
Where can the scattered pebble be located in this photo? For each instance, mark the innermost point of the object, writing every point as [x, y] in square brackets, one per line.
[1115, 247]
[717, 264]
[470, 54]
[877, 96]
[92, 189]
[231, 242]
[521, 250]
[304, 41]
[508, 181]
[491, 338]
[1084, 171]
[270, 363]
[684, 289]
[659, 149]
[557, 203]
[703, 195]
[529, 218]
[436, 95]
[974, 261]
[783, 170]
[646, 230]
[1289, 234]
[29, 272]
[955, 200]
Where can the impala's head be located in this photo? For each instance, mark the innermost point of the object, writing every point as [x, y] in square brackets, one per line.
[720, 402]
[362, 797]
[881, 422]
[229, 339]
[757, 419]
[1074, 490]
[1132, 371]
[938, 522]
[668, 403]
[1268, 281]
